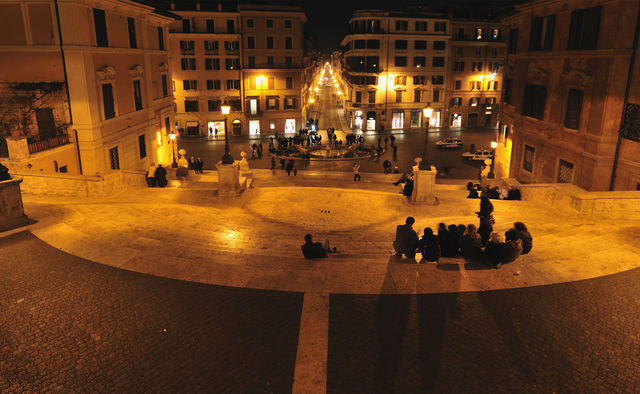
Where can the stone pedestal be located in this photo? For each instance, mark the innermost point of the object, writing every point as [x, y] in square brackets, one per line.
[18, 148]
[228, 179]
[424, 186]
[11, 209]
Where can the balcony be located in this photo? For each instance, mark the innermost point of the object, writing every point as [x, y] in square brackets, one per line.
[366, 31]
[37, 145]
[259, 66]
[465, 37]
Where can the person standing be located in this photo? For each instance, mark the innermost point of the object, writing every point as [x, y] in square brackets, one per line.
[161, 176]
[260, 150]
[273, 163]
[393, 140]
[356, 172]
[151, 175]
[282, 163]
[290, 166]
[395, 153]
[199, 165]
[386, 141]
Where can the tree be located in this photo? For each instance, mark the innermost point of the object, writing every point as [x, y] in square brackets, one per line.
[19, 102]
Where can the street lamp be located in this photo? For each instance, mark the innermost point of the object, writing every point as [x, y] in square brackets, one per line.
[494, 145]
[427, 112]
[227, 158]
[172, 138]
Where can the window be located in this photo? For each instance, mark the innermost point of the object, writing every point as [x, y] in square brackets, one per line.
[440, 26]
[436, 96]
[231, 46]
[399, 96]
[400, 80]
[250, 22]
[165, 86]
[114, 160]
[492, 85]
[211, 26]
[269, 23]
[584, 28]
[186, 47]
[460, 51]
[211, 63]
[190, 84]
[456, 101]
[251, 42]
[186, 26]
[372, 97]
[495, 34]
[416, 95]
[419, 61]
[190, 105]
[100, 24]
[236, 105]
[527, 162]
[289, 82]
[565, 171]
[402, 25]
[288, 61]
[508, 85]
[419, 44]
[231, 28]
[373, 44]
[290, 103]
[421, 26]
[457, 84]
[479, 34]
[288, 43]
[188, 63]
[358, 97]
[439, 45]
[137, 95]
[211, 46]
[460, 34]
[359, 44]
[107, 101]
[419, 80]
[535, 97]
[494, 52]
[401, 44]
[437, 79]
[438, 61]
[142, 146]
[477, 52]
[512, 45]
[273, 102]
[214, 105]
[401, 61]
[213, 84]
[288, 23]
[251, 60]
[269, 42]
[473, 101]
[541, 38]
[574, 109]
[160, 39]
[490, 101]
[233, 84]
[458, 66]
[231, 63]
[476, 66]
[475, 85]
[131, 26]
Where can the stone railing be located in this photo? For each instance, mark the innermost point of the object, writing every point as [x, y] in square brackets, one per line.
[570, 198]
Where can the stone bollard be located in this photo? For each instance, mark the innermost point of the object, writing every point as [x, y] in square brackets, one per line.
[11, 208]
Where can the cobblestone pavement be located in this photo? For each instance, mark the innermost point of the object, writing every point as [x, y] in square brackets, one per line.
[72, 325]
[573, 337]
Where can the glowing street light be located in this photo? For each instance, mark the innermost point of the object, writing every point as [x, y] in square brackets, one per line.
[227, 158]
[494, 145]
[427, 112]
[172, 138]
[311, 100]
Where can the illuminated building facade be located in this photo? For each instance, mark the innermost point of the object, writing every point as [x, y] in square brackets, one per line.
[394, 63]
[119, 106]
[250, 56]
[571, 105]
[474, 83]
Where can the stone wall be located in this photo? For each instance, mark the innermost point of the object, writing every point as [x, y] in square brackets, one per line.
[570, 198]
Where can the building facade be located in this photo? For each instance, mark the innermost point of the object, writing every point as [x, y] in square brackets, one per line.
[112, 57]
[394, 64]
[572, 95]
[474, 82]
[248, 56]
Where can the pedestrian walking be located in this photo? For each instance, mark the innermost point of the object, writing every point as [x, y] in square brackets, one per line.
[356, 172]
[290, 167]
[199, 165]
[273, 163]
[395, 153]
[393, 140]
[260, 150]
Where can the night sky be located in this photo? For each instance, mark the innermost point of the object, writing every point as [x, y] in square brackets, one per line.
[328, 19]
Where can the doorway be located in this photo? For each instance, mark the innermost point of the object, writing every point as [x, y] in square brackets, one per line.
[397, 119]
[358, 120]
[237, 127]
[371, 121]
[254, 127]
[456, 120]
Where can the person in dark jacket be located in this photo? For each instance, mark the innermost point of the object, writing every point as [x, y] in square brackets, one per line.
[486, 207]
[512, 247]
[429, 246]
[493, 251]
[315, 250]
[447, 242]
[161, 176]
[461, 229]
[406, 240]
[470, 245]
[407, 190]
[485, 229]
[524, 236]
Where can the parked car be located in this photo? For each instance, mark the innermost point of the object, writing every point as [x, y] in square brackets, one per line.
[481, 154]
[453, 143]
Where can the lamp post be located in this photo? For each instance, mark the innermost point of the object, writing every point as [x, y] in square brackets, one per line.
[427, 112]
[227, 158]
[494, 145]
[172, 138]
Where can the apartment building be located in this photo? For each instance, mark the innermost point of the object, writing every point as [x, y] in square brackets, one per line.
[394, 64]
[112, 58]
[572, 95]
[474, 85]
[250, 56]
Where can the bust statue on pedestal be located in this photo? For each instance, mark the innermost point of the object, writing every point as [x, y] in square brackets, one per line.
[244, 164]
[183, 164]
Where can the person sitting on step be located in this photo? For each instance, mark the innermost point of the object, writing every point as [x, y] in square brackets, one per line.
[316, 250]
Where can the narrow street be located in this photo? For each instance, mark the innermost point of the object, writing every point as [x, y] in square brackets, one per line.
[410, 143]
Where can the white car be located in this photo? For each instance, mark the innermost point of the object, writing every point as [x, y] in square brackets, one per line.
[454, 143]
[481, 154]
